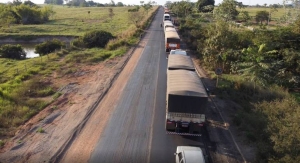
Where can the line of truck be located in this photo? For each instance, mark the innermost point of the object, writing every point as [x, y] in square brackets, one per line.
[172, 39]
[186, 96]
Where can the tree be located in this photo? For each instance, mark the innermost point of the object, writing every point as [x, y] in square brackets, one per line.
[57, 2]
[17, 2]
[136, 17]
[219, 40]
[96, 38]
[112, 3]
[205, 5]
[48, 47]
[245, 16]
[12, 51]
[147, 6]
[265, 5]
[8, 15]
[261, 16]
[28, 15]
[120, 4]
[273, 9]
[296, 26]
[254, 66]
[182, 8]
[227, 10]
[111, 13]
[168, 3]
[29, 3]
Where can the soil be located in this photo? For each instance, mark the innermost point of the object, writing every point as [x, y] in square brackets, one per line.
[46, 135]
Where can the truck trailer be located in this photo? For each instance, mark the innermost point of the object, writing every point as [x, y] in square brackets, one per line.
[186, 103]
[172, 39]
[179, 61]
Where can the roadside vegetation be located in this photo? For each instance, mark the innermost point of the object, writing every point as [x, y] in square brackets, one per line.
[261, 70]
[25, 88]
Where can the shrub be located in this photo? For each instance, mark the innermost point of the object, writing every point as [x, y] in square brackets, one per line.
[96, 39]
[48, 47]
[116, 43]
[12, 51]
[40, 130]
[78, 42]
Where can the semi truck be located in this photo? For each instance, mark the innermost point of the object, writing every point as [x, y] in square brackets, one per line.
[172, 39]
[186, 100]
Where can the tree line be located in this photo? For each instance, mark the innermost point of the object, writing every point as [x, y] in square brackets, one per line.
[84, 3]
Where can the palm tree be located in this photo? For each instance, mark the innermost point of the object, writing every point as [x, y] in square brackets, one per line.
[255, 67]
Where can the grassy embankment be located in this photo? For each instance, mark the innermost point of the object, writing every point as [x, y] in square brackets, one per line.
[23, 90]
[267, 116]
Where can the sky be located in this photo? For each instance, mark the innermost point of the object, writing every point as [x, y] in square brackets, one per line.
[162, 2]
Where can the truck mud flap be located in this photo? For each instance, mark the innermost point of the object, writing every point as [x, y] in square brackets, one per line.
[184, 134]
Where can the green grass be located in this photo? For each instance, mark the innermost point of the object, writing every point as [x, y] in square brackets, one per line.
[269, 108]
[23, 83]
[275, 15]
[76, 21]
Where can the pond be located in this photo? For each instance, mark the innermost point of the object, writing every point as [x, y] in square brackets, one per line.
[29, 49]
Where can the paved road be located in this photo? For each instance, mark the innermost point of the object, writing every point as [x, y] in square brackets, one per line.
[127, 137]
[135, 131]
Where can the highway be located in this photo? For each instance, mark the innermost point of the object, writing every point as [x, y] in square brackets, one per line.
[135, 131]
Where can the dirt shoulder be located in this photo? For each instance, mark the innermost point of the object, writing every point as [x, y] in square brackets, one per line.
[49, 131]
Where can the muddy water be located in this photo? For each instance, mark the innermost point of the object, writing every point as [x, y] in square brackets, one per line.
[29, 49]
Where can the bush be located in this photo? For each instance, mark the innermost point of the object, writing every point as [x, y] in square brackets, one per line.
[96, 39]
[116, 43]
[48, 47]
[12, 51]
[78, 42]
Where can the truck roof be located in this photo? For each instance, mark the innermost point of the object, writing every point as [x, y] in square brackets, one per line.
[179, 61]
[185, 83]
[171, 32]
[191, 154]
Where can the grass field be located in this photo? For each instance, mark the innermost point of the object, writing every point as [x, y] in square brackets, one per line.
[252, 11]
[275, 15]
[76, 21]
[22, 92]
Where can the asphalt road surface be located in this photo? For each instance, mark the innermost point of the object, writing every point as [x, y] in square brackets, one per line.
[135, 131]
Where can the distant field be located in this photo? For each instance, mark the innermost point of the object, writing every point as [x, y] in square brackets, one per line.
[275, 15]
[252, 11]
[76, 21]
